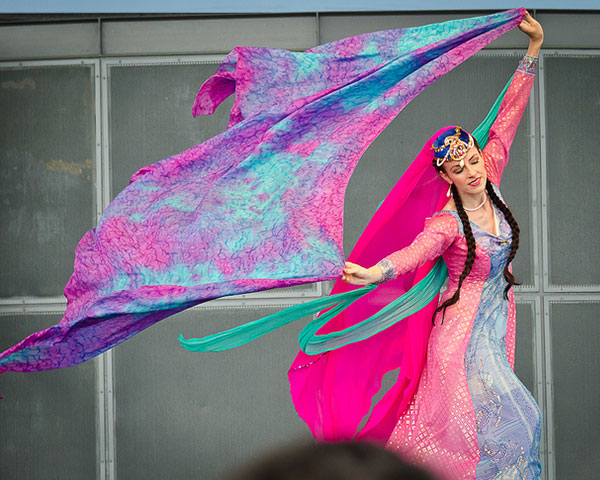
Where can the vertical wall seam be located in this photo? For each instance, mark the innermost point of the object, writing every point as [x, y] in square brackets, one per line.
[98, 202]
[317, 29]
[538, 177]
[108, 405]
[533, 182]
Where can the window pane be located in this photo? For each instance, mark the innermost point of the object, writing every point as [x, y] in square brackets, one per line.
[48, 419]
[47, 165]
[572, 124]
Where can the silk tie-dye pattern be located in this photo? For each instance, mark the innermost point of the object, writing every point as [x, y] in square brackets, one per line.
[260, 205]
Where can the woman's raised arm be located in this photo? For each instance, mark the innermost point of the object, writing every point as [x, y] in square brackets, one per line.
[502, 131]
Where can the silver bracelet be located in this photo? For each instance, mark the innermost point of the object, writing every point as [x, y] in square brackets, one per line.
[388, 270]
[528, 64]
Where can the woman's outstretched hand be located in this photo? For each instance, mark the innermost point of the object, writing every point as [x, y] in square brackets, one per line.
[532, 28]
[356, 275]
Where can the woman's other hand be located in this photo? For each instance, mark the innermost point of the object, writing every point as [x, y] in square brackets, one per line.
[532, 28]
[356, 275]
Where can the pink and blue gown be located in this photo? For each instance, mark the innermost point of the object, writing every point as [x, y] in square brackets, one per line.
[471, 417]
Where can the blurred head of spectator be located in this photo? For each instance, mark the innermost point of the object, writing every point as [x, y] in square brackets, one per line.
[330, 461]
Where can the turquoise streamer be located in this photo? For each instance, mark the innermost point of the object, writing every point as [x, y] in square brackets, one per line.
[311, 343]
[412, 301]
[252, 330]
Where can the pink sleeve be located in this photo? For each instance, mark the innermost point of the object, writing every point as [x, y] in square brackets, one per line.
[502, 131]
[438, 234]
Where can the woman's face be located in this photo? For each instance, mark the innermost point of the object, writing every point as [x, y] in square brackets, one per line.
[471, 177]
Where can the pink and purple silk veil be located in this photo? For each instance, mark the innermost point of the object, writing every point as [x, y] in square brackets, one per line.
[260, 206]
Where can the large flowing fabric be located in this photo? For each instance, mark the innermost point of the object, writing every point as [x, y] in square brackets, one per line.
[258, 206]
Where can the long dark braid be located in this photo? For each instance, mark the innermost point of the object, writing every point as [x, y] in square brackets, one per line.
[510, 279]
[470, 253]
[514, 246]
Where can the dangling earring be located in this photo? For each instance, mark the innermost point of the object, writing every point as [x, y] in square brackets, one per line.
[449, 192]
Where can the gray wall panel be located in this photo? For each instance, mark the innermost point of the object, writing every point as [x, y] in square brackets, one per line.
[47, 419]
[181, 414]
[47, 175]
[576, 392]
[525, 346]
[570, 30]
[572, 118]
[219, 35]
[64, 40]
[215, 35]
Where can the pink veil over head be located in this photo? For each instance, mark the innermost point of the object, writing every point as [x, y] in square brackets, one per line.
[333, 391]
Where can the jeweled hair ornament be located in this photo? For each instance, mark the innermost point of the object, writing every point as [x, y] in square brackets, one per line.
[453, 146]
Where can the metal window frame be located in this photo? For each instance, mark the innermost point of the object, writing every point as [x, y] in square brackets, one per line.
[553, 293]
[58, 304]
[547, 285]
[534, 185]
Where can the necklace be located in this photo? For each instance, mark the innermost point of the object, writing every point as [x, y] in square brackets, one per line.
[478, 206]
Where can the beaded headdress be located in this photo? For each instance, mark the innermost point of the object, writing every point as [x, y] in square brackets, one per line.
[452, 144]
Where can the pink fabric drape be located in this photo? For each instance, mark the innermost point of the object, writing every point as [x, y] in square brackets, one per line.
[332, 392]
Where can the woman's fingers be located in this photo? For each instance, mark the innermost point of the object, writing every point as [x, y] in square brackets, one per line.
[354, 274]
[531, 27]
[352, 268]
[524, 25]
[353, 280]
[526, 22]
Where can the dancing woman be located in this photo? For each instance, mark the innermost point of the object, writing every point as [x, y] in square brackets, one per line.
[471, 417]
